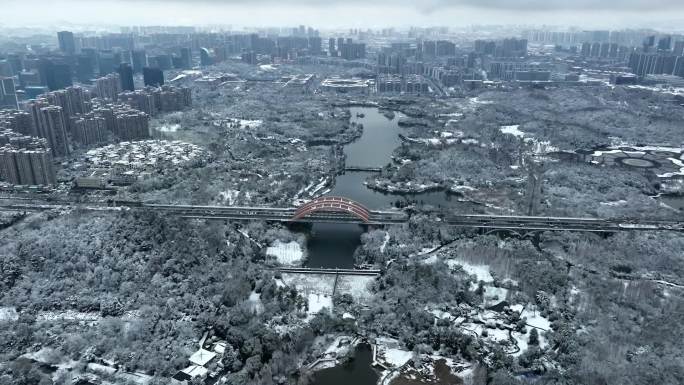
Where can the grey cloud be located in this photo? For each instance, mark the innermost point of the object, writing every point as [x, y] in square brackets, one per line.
[435, 5]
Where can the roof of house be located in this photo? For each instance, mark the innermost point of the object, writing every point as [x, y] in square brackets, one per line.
[195, 371]
[202, 357]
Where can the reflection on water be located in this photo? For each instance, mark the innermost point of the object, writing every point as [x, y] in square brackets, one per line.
[350, 185]
[332, 245]
[357, 371]
[676, 202]
[379, 139]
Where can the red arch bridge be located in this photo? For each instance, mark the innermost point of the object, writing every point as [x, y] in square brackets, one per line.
[332, 209]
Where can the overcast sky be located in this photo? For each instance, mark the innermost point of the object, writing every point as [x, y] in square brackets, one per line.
[343, 13]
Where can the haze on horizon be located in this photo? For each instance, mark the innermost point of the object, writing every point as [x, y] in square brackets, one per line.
[345, 13]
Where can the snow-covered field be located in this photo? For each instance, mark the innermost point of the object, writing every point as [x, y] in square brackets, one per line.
[355, 285]
[397, 357]
[8, 314]
[244, 123]
[168, 127]
[318, 303]
[535, 319]
[67, 315]
[308, 283]
[512, 130]
[390, 354]
[255, 303]
[229, 196]
[289, 254]
[480, 271]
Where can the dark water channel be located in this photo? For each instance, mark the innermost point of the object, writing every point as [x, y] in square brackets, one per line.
[333, 245]
[356, 371]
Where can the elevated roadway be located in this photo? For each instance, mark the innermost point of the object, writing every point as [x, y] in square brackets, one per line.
[320, 212]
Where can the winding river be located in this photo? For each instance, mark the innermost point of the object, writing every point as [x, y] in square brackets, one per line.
[333, 245]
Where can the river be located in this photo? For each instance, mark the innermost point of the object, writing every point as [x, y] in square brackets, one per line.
[676, 202]
[356, 371]
[333, 245]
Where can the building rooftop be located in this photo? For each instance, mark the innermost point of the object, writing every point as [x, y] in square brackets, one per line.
[202, 357]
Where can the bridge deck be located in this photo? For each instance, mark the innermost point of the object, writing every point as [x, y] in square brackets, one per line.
[501, 222]
[306, 270]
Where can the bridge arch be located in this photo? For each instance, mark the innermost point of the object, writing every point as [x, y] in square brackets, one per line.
[512, 233]
[333, 204]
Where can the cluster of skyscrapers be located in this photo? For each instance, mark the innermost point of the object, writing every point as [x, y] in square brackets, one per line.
[83, 59]
[24, 159]
[658, 57]
[50, 122]
[506, 48]
[153, 100]
[346, 48]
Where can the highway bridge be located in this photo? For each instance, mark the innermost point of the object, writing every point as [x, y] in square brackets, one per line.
[329, 209]
[321, 210]
[307, 270]
[363, 168]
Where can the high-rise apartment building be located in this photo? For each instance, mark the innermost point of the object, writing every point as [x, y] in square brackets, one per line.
[126, 76]
[55, 73]
[108, 87]
[67, 43]
[89, 129]
[139, 60]
[8, 94]
[24, 160]
[186, 58]
[153, 77]
[54, 128]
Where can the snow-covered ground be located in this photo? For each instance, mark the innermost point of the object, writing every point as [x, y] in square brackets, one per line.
[267, 67]
[68, 315]
[397, 357]
[242, 123]
[318, 303]
[384, 242]
[8, 314]
[229, 196]
[168, 128]
[480, 271]
[255, 303]
[340, 346]
[44, 355]
[535, 319]
[309, 283]
[512, 130]
[477, 100]
[312, 189]
[389, 354]
[355, 285]
[289, 254]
